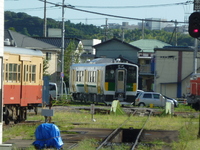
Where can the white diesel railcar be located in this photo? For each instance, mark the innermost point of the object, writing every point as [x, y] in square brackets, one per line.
[99, 81]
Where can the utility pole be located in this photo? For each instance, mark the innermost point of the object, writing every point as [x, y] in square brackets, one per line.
[45, 20]
[122, 34]
[176, 32]
[192, 21]
[196, 43]
[62, 48]
[106, 29]
[142, 29]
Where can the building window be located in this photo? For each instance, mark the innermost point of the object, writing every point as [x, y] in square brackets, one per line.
[48, 56]
[148, 61]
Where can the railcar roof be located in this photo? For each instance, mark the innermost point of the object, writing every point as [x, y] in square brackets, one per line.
[99, 65]
[18, 50]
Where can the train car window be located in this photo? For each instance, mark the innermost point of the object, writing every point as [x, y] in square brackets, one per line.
[40, 74]
[89, 76]
[26, 73]
[76, 75]
[10, 75]
[120, 76]
[79, 76]
[15, 72]
[19, 74]
[94, 76]
[82, 76]
[12, 72]
[32, 73]
[6, 72]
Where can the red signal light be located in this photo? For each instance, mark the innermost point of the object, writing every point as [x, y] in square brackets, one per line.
[194, 25]
[196, 30]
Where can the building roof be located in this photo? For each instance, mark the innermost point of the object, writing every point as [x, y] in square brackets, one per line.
[148, 45]
[57, 41]
[19, 40]
[115, 39]
[25, 51]
[176, 48]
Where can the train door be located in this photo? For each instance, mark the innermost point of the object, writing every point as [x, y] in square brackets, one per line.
[73, 80]
[99, 81]
[24, 83]
[120, 87]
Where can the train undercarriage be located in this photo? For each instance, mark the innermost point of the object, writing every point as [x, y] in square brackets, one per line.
[16, 113]
[106, 99]
[194, 102]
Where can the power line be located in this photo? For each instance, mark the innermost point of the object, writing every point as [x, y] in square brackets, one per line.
[32, 9]
[143, 6]
[115, 16]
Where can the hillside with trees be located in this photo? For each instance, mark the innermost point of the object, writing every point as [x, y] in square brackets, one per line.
[33, 26]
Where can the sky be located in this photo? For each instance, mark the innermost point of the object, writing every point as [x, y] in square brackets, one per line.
[132, 9]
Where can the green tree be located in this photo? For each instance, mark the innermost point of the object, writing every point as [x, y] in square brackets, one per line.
[68, 60]
[12, 28]
[45, 67]
[25, 32]
[33, 26]
[71, 55]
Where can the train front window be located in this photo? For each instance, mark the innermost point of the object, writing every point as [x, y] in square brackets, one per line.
[120, 76]
[131, 75]
[110, 74]
[12, 72]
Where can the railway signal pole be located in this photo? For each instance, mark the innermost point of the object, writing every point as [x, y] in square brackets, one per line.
[194, 23]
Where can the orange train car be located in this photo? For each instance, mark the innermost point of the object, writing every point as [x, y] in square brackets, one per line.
[22, 82]
[193, 97]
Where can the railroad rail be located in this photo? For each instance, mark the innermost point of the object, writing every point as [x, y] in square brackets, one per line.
[106, 142]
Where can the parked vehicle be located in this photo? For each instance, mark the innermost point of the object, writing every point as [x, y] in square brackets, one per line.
[147, 98]
[55, 91]
[138, 92]
[174, 100]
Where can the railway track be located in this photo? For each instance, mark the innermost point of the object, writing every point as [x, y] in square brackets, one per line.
[108, 141]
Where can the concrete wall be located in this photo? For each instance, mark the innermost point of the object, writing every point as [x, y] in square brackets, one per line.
[173, 69]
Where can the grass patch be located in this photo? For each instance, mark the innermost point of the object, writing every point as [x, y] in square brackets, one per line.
[65, 120]
[184, 108]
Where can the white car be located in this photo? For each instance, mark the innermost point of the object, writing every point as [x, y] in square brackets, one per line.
[147, 98]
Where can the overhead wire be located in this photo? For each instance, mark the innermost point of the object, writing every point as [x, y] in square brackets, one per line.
[143, 6]
[103, 14]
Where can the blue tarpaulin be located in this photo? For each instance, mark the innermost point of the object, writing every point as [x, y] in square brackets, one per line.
[47, 136]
